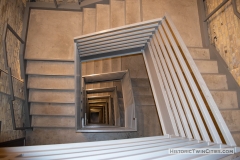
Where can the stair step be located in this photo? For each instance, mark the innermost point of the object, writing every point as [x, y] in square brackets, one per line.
[50, 68]
[140, 82]
[52, 96]
[102, 17]
[225, 99]
[232, 119]
[144, 100]
[236, 137]
[215, 81]
[89, 20]
[53, 121]
[206, 66]
[117, 15]
[50, 82]
[199, 53]
[133, 11]
[50, 35]
[141, 91]
[52, 109]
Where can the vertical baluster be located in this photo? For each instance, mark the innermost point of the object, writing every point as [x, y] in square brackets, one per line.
[185, 87]
[205, 90]
[169, 94]
[158, 90]
[175, 91]
[180, 82]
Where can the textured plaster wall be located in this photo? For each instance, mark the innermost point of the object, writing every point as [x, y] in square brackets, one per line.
[12, 12]
[224, 33]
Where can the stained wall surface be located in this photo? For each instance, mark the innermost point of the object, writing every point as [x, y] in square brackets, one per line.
[11, 11]
[224, 34]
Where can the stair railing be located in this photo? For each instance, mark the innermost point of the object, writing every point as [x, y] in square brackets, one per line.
[184, 103]
[234, 5]
[192, 110]
[10, 82]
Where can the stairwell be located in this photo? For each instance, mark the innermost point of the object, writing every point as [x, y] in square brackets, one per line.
[50, 72]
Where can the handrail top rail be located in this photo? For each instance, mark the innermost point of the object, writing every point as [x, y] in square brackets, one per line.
[118, 28]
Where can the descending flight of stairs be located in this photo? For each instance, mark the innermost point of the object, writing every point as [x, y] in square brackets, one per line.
[51, 82]
[226, 99]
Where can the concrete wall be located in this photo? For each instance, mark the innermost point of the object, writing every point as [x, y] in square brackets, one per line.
[11, 10]
[224, 33]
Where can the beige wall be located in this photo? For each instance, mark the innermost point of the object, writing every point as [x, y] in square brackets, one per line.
[184, 14]
[13, 11]
[224, 33]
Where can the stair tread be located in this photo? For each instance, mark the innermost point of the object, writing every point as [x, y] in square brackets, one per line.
[225, 99]
[53, 121]
[199, 53]
[117, 13]
[89, 20]
[52, 96]
[215, 81]
[50, 68]
[50, 82]
[52, 109]
[133, 11]
[47, 42]
[207, 66]
[102, 17]
[232, 119]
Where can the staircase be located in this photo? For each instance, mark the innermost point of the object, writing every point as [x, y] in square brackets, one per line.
[225, 98]
[51, 77]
